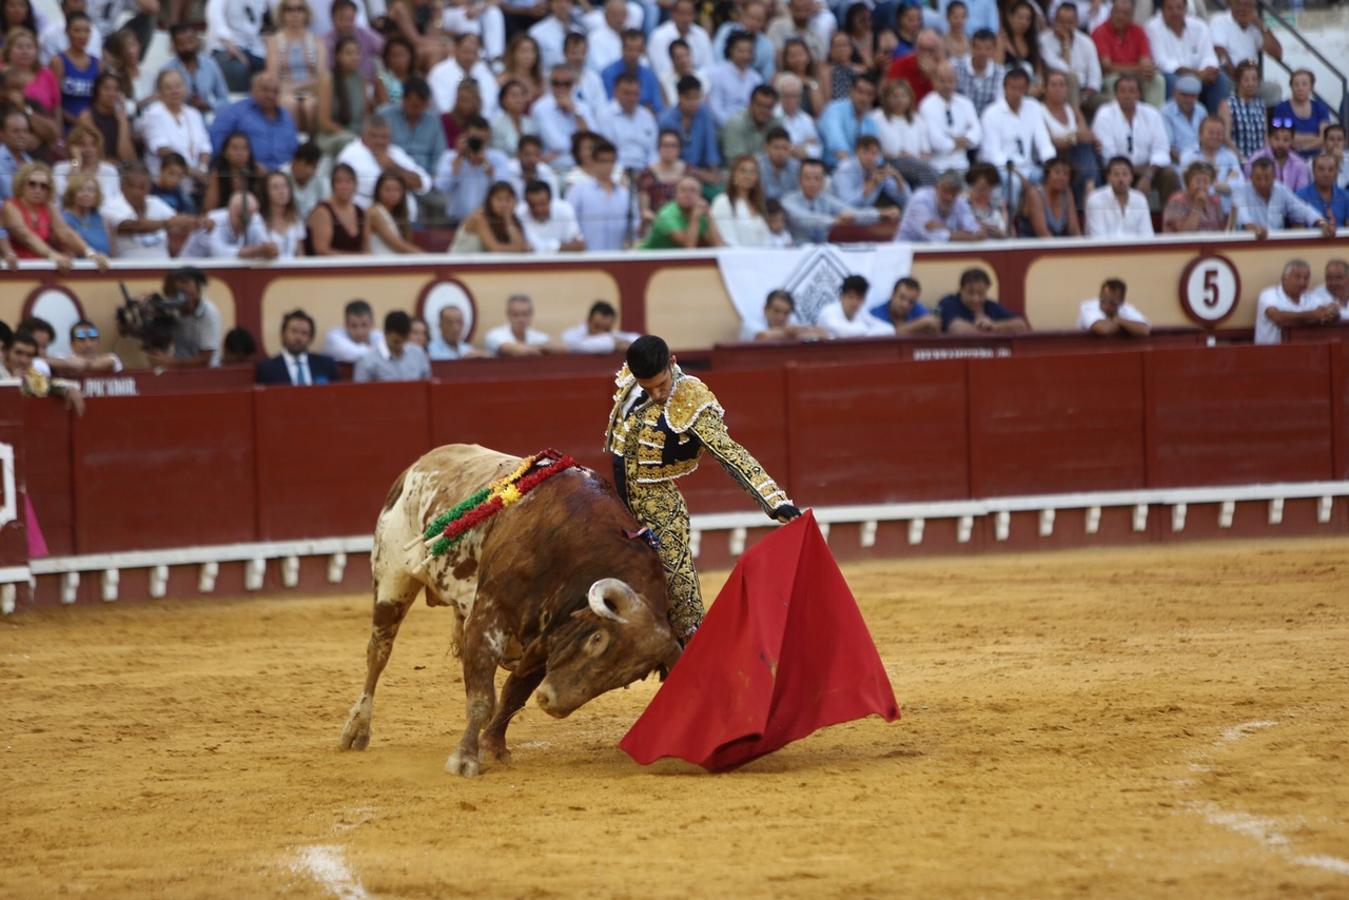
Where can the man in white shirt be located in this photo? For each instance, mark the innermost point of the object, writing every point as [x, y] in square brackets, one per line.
[1066, 49]
[799, 22]
[356, 336]
[445, 76]
[606, 38]
[550, 224]
[597, 334]
[799, 124]
[517, 337]
[680, 27]
[1137, 132]
[951, 121]
[1240, 35]
[375, 153]
[1117, 210]
[1182, 45]
[1015, 135]
[732, 82]
[225, 234]
[550, 33]
[1109, 315]
[450, 343]
[138, 223]
[1288, 304]
[845, 317]
[1335, 289]
[630, 126]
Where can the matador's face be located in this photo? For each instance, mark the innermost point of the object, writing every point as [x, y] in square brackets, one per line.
[658, 387]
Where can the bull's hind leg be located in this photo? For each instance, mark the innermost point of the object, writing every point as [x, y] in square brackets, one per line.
[394, 595]
[481, 648]
[514, 693]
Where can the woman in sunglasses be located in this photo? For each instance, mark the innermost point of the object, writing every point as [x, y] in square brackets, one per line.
[36, 227]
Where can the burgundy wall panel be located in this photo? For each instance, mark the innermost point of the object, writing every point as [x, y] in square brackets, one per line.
[1339, 388]
[886, 432]
[47, 469]
[327, 455]
[170, 471]
[1056, 424]
[1234, 415]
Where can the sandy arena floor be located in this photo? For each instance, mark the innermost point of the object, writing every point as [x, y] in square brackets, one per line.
[1112, 723]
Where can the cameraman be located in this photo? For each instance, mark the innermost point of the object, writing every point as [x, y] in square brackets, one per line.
[467, 171]
[196, 326]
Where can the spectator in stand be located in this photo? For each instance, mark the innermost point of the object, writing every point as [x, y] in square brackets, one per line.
[979, 77]
[467, 105]
[919, 68]
[344, 101]
[1291, 170]
[172, 126]
[691, 121]
[1016, 139]
[232, 170]
[655, 185]
[796, 121]
[234, 38]
[397, 64]
[952, 123]
[337, 226]
[1309, 114]
[239, 348]
[811, 213]
[903, 136]
[41, 91]
[904, 312]
[513, 121]
[1335, 149]
[42, 332]
[1211, 150]
[309, 188]
[299, 60]
[518, 337]
[493, 227]
[846, 120]
[1117, 210]
[598, 334]
[798, 61]
[449, 343]
[1196, 208]
[940, 213]
[753, 19]
[630, 64]
[376, 153]
[357, 335]
[549, 224]
[1110, 315]
[295, 365]
[1244, 113]
[589, 91]
[840, 68]
[558, 117]
[732, 82]
[35, 225]
[270, 129]
[740, 211]
[1136, 132]
[956, 40]
[85, 357]
[606, 38]
[988, 204]
[866, 179]
[225, 233]
[107, 115]
[1124, 49]
[206, 88]
[681, 26]
[604, 208]
[413, 125]
[682, 62]
[15, 141]
[278, 220]
[845, 317]
[779, 170]
[1018, 45]
[138, 223]
[75, 69]
[466, 172]
[395, 358]
[21, 356]
[1066, 49]
[390, 224]
[1050, 209]
[1335, 290]
[550, 33]
[1264, 204]
[347, 25]
[85, 146]
[1071, 134]
[1324, 195]
[465, 64]
[1183, 45]
[1182, 116]
[745, 132]
[1240, 35]
[196, 327]
[52, 37]
[630, 126]
[780, 322]
[80, 208]
[1289, 304]
[970, 311]
[121, 59]
[685, 222]
[528, 166]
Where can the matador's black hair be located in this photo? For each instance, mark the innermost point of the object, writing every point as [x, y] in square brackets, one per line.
[648, 356]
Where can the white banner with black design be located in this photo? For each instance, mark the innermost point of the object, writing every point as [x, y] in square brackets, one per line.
[811, 274]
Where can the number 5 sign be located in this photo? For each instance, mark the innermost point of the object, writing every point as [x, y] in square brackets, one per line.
[1209, 290]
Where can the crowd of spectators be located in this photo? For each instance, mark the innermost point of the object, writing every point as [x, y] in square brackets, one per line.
[340, 126]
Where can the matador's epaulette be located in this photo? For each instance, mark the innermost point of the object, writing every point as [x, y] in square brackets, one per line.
[689, 400]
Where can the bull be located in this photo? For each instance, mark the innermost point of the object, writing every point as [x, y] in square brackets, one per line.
[554, 589]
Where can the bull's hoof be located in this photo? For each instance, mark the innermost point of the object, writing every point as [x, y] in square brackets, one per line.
[466, 766]
[356, 736]
[498, 750]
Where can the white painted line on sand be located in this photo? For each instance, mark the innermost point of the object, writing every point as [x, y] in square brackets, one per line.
[327, 864]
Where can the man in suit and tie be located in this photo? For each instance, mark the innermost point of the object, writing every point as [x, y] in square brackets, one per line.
[295, 364]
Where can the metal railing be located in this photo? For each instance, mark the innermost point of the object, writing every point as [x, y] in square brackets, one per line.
[1342, 111]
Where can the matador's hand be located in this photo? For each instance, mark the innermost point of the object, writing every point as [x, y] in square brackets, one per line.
[786, 512]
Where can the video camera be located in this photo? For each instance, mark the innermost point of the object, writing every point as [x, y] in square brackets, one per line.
[150, 318]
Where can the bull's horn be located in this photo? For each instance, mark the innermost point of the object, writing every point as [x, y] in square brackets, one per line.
[607, 587]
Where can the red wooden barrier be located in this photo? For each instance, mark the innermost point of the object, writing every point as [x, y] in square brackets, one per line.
[886, 432]
[1056, 424]
[327, 455]
[1234, 415]
[47, 463]
[13, 534]
[169, 471]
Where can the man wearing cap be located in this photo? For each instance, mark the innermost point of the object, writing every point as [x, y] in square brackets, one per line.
[1183, 115]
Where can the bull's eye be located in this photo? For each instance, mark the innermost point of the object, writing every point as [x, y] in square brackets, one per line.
[597, 643]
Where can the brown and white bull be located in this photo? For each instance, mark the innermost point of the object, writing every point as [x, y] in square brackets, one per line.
[553, 588]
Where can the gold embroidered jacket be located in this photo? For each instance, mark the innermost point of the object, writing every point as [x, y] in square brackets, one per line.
[663, 443]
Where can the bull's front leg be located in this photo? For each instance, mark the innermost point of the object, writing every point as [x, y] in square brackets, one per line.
[514, 693]
[481, 649]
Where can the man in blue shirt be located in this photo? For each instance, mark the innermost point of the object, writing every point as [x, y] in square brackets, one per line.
[939, 214]
[1324, 195]
[630, 63]
[904, 312]
[268, 126]
[414, 126]
[846, 119]
[691, 119]
[1183, 115]
[1265, 204]
[971, 312]
[206, 86]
